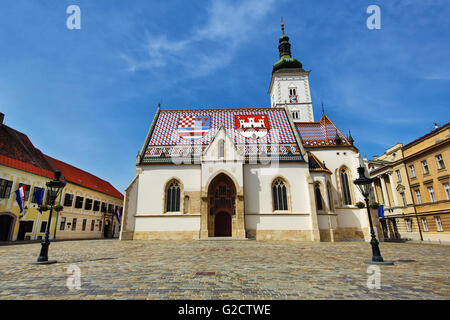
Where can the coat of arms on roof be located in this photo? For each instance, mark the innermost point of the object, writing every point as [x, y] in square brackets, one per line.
[252, 126]
[192, 127]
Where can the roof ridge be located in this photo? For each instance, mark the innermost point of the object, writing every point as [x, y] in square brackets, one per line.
[221, 109]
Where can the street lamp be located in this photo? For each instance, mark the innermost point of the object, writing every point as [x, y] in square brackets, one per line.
[364, 185]
[54, 187]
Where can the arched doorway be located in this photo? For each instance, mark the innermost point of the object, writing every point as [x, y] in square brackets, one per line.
[6, 222]
[221, 206]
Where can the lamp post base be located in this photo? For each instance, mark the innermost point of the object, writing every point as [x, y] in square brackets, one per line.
[388, 263]
[44, 262]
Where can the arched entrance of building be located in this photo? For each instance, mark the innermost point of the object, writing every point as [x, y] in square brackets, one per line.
[6, 225]
[221, 206]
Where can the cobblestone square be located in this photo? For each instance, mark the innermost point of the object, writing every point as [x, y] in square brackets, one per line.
[112, 269]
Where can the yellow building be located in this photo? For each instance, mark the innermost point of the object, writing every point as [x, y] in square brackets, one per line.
[412, 182]
[427, 161]
[22, 164]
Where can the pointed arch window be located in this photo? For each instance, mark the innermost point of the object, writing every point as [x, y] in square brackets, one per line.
[330, 197]
[173, 197]
[345, 187]
[318, 194]
[221, 149]
[279, 195]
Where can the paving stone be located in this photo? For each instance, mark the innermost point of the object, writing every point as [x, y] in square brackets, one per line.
[112, 269]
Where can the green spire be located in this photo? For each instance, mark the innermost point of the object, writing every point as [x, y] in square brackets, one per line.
[286, 60]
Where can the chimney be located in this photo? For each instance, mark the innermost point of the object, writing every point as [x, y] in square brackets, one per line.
[435, 125]
[2, 117]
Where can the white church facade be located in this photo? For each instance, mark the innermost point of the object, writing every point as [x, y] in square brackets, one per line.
[248, 173]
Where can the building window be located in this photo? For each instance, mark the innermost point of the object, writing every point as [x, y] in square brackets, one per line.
[33, 198]
[413, 171]
[345, 187]
[221, 149]
[447, 190]
[173, 197]
[418, 196]
[79, 202]
[432, 195]
[399, 176]
[92, 225]
[88, 204]
[5, 188]
[292, 91]
[96, 205]
[110, 208]
[279, 195]
[425, 224]
[438, 224]
[408, 225]
[318, 194]
[99, 225]
[62, 226]
[440, 162]
[68, 200]
[83, 228]
[402, 194]
[103, 207]
[74, 224]
[43, 226]
[330, 197]
[425, 167]
[295, 114]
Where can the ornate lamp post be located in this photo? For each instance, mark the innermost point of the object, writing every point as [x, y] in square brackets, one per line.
[364, 185]
[54, 187]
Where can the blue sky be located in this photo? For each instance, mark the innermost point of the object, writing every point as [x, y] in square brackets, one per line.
[87, 97]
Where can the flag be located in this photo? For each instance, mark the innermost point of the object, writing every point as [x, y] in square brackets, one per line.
[118, 215]
[381, 211]
[39, 197]
[20, 197]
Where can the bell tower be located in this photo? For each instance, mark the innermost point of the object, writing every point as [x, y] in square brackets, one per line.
[290, 84]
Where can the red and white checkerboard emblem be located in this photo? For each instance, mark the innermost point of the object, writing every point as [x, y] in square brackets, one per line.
[193, 127]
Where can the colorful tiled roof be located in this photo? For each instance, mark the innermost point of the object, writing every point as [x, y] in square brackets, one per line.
[85, 179]
[320, 134]
[168, 137]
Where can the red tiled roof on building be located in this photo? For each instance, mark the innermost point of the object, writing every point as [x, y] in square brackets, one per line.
[320, 134]
[17, 151]
[85, 179]
[16, 145]
[25, 166]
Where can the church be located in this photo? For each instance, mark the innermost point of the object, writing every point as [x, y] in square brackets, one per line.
[269, 173]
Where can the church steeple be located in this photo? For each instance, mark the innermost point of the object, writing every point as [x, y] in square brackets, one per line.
[286, 60]
[289, 87]
[285, 46]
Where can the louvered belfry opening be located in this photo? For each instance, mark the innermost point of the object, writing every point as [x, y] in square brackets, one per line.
[222, 205]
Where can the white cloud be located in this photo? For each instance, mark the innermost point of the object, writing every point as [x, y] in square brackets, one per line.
[228, 25]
